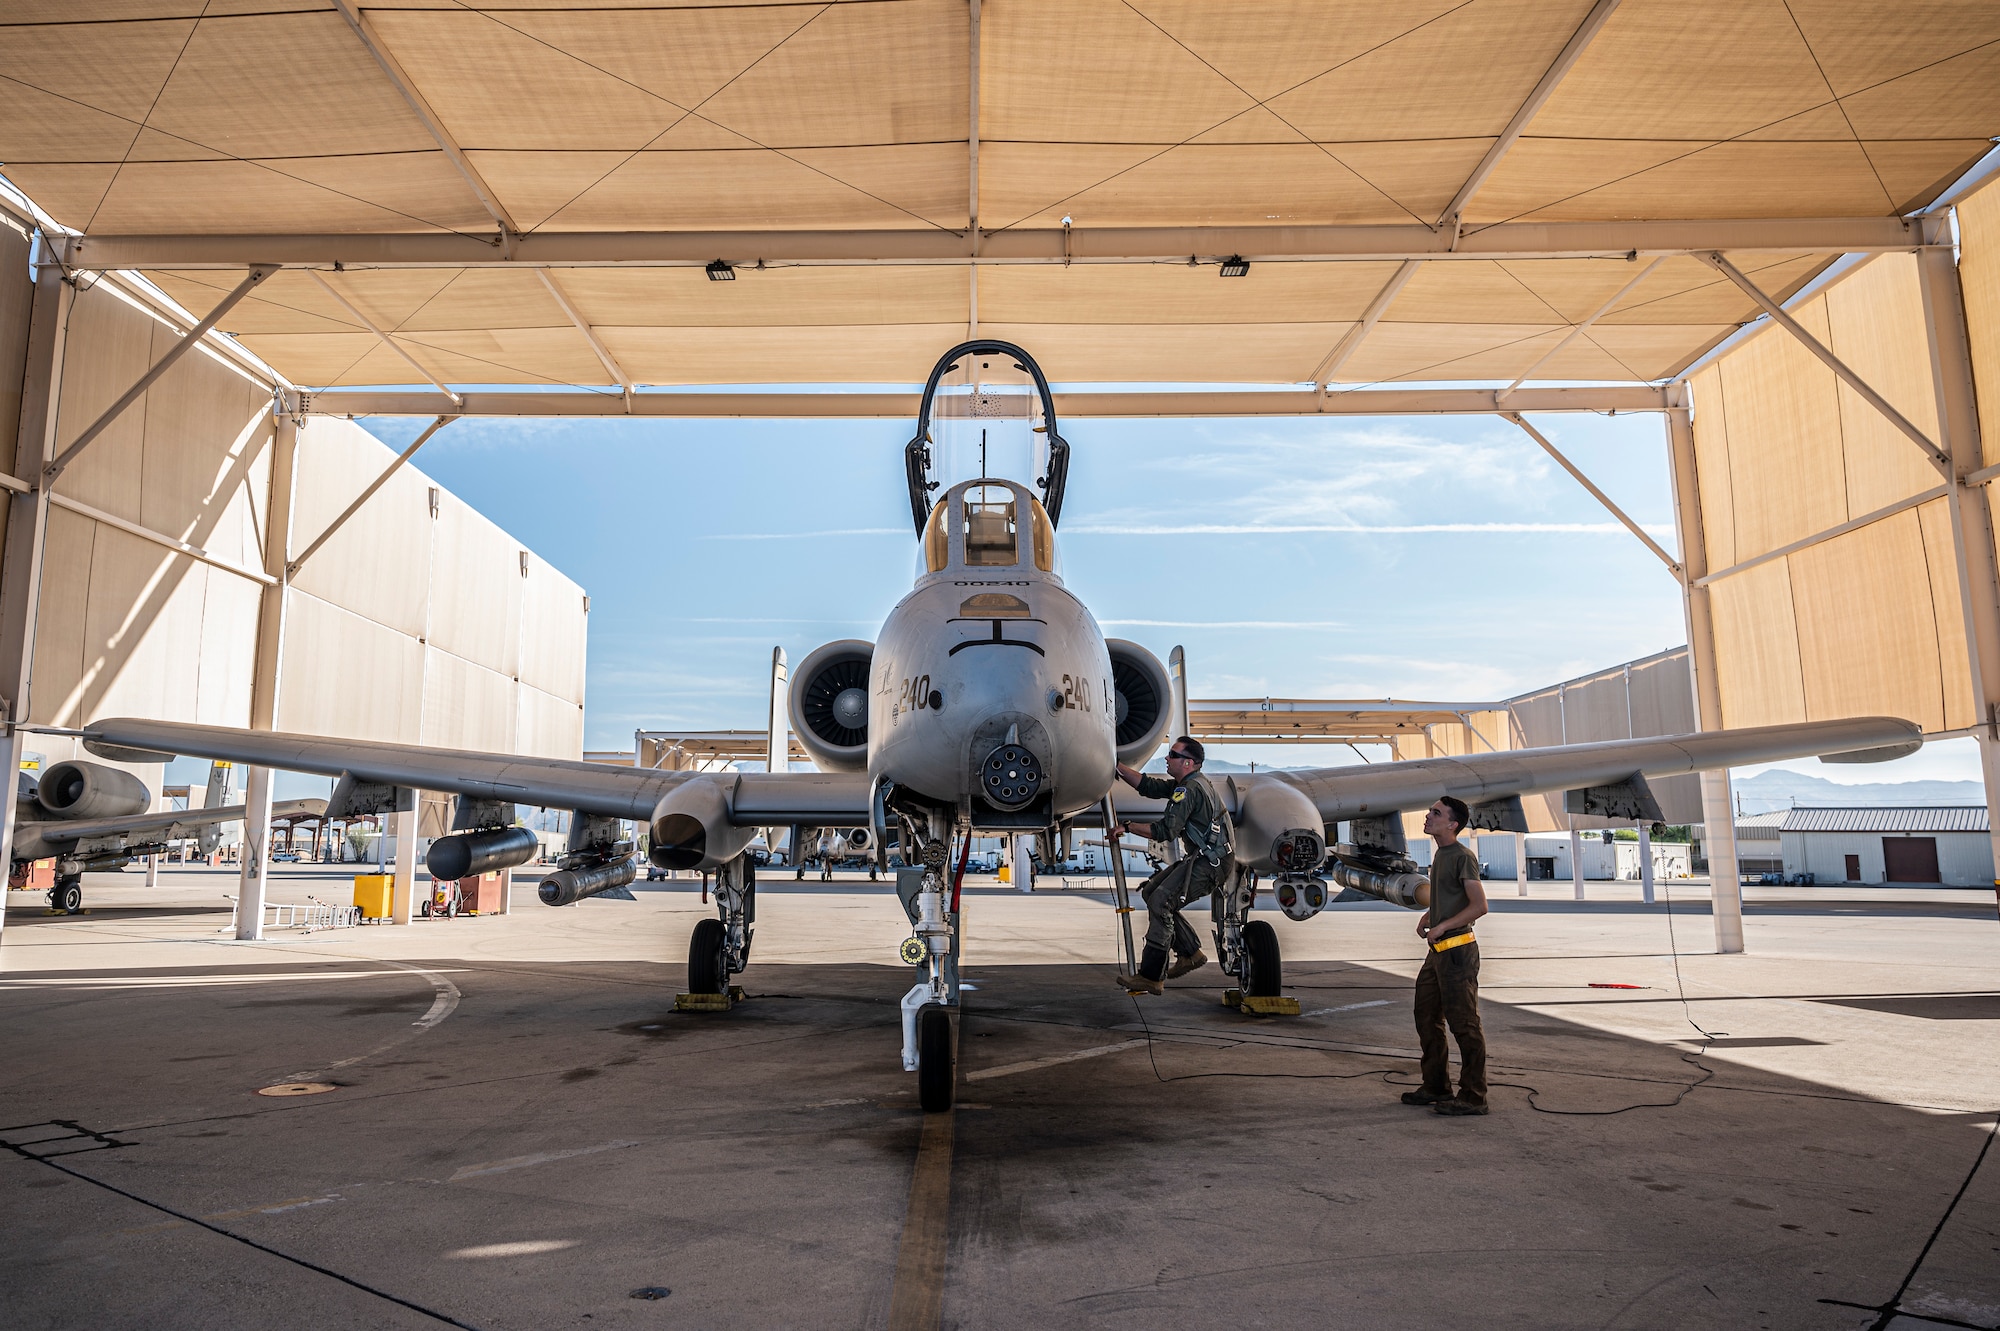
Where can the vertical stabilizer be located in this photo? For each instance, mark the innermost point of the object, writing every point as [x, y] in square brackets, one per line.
[220, 789]
[1177, 675]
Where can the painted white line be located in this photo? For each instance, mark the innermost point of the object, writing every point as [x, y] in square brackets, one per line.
[1351, 1007]
[203, 981]
[1010, 1069]
[523, 1161]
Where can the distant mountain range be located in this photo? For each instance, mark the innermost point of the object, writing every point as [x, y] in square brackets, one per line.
[1770, 791]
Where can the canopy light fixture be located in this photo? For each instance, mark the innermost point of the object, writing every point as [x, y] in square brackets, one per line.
[720, 272]
[1236, 266]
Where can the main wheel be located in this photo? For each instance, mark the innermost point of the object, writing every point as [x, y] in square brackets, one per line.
[1260, 948]
[67, 894]
[708, 970]
[937, 1059]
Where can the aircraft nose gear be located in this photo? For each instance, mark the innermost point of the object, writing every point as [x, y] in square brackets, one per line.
[1249, 951]
[930, 1008]
[720, 947]
[1010, 777]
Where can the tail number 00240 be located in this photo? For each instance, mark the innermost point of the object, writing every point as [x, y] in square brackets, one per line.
[1076, 693]
[915, 695]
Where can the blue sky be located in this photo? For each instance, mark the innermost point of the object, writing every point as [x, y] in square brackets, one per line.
[1279, 552]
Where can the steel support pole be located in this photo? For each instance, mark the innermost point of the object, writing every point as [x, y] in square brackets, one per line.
[1972, 523]
[28, 523]
[1521, 862]
[1646, 863]
[1020, 863]
[1576, 861]
[402, 893]
[1718, 815]
[266, 674]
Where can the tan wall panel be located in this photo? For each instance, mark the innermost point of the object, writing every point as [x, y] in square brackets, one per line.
[147, 664]
[1960, 708]
[379, 563]
[1711, 462]
[110, 346]
[228, 650]
[1877, 320]
[467, 706]
[476, 609]
[548, 726]
[1663, 697]
[1757, 647]
[349, 676]
[17, 299]
[1785, 460]
[1867, 633]
[208, 449]
[1979, 277]
[59, 627]
[553, 628]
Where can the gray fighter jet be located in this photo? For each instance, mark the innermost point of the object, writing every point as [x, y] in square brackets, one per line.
[990, 703]
[88, 817]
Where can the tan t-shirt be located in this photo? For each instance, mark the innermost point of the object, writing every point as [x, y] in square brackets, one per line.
[1451, 868]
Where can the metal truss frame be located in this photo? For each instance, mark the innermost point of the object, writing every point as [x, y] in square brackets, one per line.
[834, 404]
[1014, 245]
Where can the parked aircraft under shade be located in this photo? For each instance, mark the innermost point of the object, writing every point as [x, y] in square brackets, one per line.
[990, 703]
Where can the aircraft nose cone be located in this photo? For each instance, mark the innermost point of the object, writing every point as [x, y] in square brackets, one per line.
[850, 708]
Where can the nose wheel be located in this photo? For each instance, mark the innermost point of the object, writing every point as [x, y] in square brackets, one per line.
[937, 1058]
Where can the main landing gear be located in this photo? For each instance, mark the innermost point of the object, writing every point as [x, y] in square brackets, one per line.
[66, 897]
[720, 947]
[1248, 948]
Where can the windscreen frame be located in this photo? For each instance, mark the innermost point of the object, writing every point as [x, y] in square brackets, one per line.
[917, 460]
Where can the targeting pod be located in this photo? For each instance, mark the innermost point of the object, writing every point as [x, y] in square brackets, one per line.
[469, 854]
[1402, 888]
[1300, 898]
[567, 886]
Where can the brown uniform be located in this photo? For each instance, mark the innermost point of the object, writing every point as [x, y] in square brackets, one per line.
[1448, 985]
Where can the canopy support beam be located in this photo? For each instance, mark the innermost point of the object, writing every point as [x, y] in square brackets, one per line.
[1052, 244]
[292, 568]
[393, 70]
[604, 355]
[1344, 350]
[179, 349]
[1840, 368]
[1453, 220]
[386, 339]
[1673, 565]
[833, 404]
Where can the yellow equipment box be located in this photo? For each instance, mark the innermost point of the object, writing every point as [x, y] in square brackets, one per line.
[371, 893]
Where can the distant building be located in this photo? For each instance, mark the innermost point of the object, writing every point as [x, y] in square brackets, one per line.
[1946, 844]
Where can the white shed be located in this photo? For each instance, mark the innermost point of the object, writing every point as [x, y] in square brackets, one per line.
[1945, 844]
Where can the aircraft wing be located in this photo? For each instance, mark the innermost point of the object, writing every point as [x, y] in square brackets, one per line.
[166, 825]
[754, 799]
[1341, 793]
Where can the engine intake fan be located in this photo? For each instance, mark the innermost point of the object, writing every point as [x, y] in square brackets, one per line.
[829, 705]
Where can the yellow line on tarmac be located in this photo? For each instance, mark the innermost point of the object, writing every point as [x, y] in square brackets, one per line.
[916, 1302]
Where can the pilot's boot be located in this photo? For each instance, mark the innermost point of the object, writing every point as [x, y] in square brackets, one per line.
[1182, 965]
[1152, 964]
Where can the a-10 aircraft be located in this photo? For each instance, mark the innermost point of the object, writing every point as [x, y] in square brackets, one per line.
[87, 817]
[991, 703]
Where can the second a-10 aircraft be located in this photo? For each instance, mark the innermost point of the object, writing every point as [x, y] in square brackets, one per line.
[991, 702]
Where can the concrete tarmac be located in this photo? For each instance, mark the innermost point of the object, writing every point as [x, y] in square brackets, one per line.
[522, 1133]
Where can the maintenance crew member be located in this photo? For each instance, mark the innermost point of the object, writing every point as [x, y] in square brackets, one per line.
[1196, 817]
[1448, 984]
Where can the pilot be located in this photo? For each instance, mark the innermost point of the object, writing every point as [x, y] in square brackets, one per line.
[1448, 984]
[1196, 817]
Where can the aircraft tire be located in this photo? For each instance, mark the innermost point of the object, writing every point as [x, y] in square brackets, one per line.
[1260, 944]
[708, 970]
[67, 894]
[937, 1061]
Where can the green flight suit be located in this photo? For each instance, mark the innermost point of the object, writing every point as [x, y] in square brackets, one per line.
[1193, 808]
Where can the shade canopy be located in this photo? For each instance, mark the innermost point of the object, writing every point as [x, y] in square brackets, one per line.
[536, 193]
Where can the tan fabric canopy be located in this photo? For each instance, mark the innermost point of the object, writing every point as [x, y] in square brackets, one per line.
[175, 118]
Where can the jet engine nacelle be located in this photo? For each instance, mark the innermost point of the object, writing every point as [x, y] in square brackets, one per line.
[829, 705]
[77, 789]
[1144, 701]
[691, 827]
